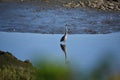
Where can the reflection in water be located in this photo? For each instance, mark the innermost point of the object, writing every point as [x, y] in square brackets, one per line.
[64, 49]
[85, 50]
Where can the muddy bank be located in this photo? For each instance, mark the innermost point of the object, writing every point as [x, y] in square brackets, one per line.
[98, 4]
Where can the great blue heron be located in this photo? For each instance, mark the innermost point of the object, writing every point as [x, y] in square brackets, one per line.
[63, 39]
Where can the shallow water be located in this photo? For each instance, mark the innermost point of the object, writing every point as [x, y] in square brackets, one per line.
[80, 51]
[27, 17]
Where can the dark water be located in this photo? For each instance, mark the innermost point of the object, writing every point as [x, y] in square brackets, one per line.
[80, 51]
[27, 17]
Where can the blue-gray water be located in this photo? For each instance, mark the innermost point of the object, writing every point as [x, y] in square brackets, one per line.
[82, 50]
[30, 17]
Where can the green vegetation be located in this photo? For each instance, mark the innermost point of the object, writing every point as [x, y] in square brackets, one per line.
[51, 71]
[15, 73]
[15, 69]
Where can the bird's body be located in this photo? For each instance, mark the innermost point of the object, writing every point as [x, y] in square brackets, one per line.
[64, 38]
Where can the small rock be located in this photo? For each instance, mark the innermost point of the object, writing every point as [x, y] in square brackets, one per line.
[90, 31]
[27, 61]
[81, 4]
[77, 5]
[111, 7]
[111, 4]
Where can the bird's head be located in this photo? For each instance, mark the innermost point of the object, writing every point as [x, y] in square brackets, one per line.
[66, 27]
[66, 24]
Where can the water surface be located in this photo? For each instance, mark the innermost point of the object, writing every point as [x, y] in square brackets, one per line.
[80, 51]
[30, 17]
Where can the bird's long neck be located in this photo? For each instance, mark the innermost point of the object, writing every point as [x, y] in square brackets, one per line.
[65, 30]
